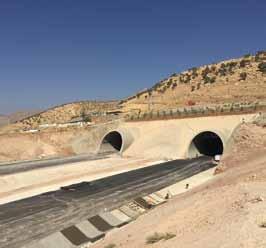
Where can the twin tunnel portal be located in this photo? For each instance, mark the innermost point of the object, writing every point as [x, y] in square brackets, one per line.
[205, 143]
[168, 139]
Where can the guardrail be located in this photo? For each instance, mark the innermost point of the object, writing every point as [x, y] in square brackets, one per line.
[198, 111]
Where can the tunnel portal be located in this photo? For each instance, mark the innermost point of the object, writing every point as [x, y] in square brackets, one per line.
[112, 142]
[206, 143]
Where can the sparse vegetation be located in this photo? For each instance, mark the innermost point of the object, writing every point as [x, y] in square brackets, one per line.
[243, 76]
[110, 246]
[262, 67]
[262, 224]
[244, 63]
[156, 237]
[174, 86]
[247, 55]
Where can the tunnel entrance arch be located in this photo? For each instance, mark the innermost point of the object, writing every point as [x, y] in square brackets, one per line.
[112, 142]
[206, 143]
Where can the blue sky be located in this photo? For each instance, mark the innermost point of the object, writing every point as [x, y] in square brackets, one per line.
[56, 51]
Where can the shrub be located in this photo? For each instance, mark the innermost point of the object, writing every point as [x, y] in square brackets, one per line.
[261, 52]
[192, 88]
[209, 80]
[205, 72]
[263, 224]
[243, 76]
[232, 64]
[213, 68]
[262, 67]
[212, 80]
[110, 246]
[156, 237]
[174, 86]
[222, 71]
[243, 63]
[169, 236]
[186, 78]
[247, 55]
[260, 56]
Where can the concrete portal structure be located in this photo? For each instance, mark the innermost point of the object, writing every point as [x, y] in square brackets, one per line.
[166, 139]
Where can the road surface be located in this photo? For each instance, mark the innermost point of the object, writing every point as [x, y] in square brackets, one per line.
[16, 167]
[31, 219]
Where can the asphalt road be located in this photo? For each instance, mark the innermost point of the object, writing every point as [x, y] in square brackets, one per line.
[30, 219]
[16, 167]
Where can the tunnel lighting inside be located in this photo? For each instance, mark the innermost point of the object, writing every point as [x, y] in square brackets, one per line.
[112, 142]
[207, 143]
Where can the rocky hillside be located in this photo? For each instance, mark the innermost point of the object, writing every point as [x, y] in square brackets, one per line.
[68, 112]
[235, 80]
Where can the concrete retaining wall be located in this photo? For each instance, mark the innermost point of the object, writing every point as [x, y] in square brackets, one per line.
[161, 139]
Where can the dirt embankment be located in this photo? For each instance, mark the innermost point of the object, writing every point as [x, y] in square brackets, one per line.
[228, 212]
[27, 146]
[247, 142]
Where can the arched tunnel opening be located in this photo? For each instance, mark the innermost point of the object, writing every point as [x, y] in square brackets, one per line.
[206, 143]
[111, 143]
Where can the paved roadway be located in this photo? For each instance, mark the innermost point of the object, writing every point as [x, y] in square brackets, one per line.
[30, 219]
[16, 167]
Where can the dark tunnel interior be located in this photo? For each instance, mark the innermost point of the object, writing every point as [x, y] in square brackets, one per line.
[112, 142]
[208, 143]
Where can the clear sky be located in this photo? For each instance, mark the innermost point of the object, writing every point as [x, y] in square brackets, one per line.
[56, 51]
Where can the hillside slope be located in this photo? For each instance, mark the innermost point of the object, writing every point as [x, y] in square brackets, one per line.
[235, 80]
[67, 112]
